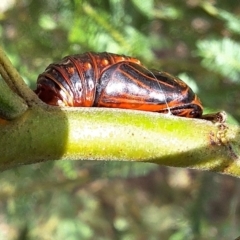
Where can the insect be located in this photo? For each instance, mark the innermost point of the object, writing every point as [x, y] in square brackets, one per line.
[115, 81]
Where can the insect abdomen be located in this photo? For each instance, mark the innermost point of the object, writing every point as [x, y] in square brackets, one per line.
[72, 81]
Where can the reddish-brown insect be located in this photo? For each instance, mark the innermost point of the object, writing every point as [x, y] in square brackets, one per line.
[115, 81]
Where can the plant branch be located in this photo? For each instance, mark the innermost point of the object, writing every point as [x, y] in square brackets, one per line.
[11, 105]
[108, 134]
[15, 81]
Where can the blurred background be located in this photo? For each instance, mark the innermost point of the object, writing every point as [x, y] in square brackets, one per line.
[196, 40]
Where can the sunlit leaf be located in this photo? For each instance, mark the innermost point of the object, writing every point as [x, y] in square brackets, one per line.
[145, 7]
[221, 56]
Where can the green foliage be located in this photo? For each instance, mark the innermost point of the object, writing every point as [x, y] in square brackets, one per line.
[222, 57]
[232, 21]
[107, 31]
[196, 40]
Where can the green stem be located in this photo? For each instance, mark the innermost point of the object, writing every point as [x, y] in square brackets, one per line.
[11, 105]
[107, 134]
[15, 81]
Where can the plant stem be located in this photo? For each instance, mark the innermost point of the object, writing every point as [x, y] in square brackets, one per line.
[15, 81]
[11, 105]
[122, 135]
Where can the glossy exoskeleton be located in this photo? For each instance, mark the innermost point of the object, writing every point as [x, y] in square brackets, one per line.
[115, 81]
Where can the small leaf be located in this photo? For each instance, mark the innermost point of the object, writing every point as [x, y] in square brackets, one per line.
[221, 56]
[146, 7]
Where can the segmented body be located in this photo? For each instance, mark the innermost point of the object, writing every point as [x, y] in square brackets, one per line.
[115, 81]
